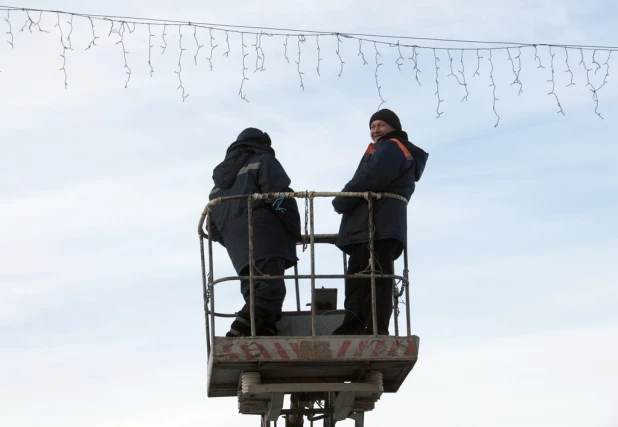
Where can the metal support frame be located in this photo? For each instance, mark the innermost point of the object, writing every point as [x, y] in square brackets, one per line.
[211, 286]
[275, 406]
[359, 419]
[407, 283]
[395, 302]
[312, 250]
[297, 286]
[343, 404]
[251, 265]
[206, 296]
[372, 267]
[340, 401]
[209, 282]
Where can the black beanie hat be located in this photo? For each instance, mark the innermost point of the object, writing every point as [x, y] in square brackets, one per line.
[386, 116]
[254, 134]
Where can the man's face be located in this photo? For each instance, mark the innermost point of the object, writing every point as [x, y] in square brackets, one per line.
[378, 129]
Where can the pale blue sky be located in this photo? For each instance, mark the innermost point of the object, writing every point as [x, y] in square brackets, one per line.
[513, 233]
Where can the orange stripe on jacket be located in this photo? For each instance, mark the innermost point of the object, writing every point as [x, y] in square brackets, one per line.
[372, 148]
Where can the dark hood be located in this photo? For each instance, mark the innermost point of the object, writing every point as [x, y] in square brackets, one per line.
[254, 134]
[419, 155]
[236, 156]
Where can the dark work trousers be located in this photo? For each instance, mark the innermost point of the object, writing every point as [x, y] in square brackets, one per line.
[358, 290]
[268, 294]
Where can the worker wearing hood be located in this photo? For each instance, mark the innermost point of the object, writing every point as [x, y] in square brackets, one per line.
[250, 167]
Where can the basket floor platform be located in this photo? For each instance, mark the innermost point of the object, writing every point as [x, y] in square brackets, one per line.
[305, 360]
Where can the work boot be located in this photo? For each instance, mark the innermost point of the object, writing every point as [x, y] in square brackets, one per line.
[368, 330]
[241, 326]
[350, 326]
[352, 321]
[384, 308]
[383, 321]
[264, 323]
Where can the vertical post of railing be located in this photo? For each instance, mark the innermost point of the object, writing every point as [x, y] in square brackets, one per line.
[251, 269]
[407, 284]
[297, 287]
[395, 301]
[211, 287]
[345, 271]
[372, 261]
[204, 285]
[312, 250]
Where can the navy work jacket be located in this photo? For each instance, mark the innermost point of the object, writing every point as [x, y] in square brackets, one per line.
[391, 165]
[251, 167]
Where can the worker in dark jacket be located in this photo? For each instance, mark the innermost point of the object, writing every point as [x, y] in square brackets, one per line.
[391, 164]
[250, 167]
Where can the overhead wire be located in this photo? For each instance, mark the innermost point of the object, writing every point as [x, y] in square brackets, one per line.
[437, 47]
[296, 31]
